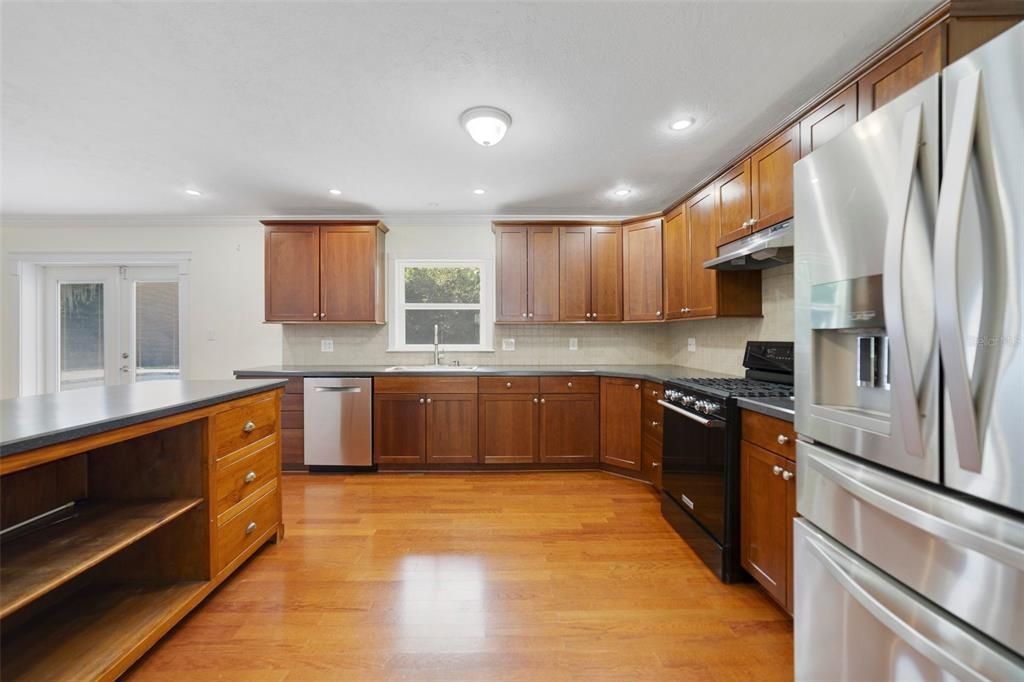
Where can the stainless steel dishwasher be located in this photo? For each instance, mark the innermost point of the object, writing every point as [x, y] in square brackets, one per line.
[337, 422]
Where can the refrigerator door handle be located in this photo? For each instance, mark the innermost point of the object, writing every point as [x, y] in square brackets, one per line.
[998, 542]
[887, 603]
[903, 385]
[947, 239]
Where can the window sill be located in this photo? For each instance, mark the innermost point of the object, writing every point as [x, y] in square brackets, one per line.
[446, 351]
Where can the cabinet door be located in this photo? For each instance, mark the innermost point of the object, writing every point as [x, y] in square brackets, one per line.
[771, 167]
[511, 253]
[574, 274]
[908, 66]
[790, 515]
[828, 120]
[735, 204]
[508, 428]
[675, 264]
[451, 436]
[620, 422]
[641, 271]
[701, 228]
[348, 273]
[651, 453]
[764, 519]
[605, 273]
[542, 263]
[399, 428]
[292, 273]
[569, 428]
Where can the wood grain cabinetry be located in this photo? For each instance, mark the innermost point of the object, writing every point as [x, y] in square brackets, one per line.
[324, 272]
[399, 428]
[675, 263]
[734, 203]
[425, 420]
[508, 428]
[768, 503]
[642, 286]
[652, 432]
[828, 120]
[908, 66]
[590, 273]
[771, 169]
[292, 428]
[527, 273]
[621, 425]
[451, 428]
[568, 428]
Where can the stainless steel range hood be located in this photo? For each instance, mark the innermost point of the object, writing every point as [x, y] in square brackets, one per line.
[765, 249]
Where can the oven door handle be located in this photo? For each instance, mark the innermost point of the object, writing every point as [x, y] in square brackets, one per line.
[706, 423]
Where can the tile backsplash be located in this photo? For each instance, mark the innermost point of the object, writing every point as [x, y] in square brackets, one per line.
[720, 343]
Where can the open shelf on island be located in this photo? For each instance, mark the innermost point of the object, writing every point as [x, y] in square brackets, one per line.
[62, 546]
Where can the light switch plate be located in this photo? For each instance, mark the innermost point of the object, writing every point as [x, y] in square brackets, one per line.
[574, 343]
[508, 344]
[326, 345]
[691, 344]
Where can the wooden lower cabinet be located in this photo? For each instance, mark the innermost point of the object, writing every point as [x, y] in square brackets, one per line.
[621, 422]
[508, 428]
[569, 428]
[651, 450]
[399, 428]
[451, 429]
[767, 510]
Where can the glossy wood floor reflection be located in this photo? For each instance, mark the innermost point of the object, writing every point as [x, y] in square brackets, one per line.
[532, 576]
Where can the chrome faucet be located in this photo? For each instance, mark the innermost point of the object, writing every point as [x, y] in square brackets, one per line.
[437, 349]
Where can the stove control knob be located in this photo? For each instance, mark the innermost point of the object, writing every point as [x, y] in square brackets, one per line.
[713, 407]
[700, 406]
[688, 400]
[671, 395]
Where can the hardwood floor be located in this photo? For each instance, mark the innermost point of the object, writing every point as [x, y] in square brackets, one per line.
[527, 576]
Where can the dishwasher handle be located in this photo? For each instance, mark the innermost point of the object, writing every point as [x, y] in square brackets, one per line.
[338, 389]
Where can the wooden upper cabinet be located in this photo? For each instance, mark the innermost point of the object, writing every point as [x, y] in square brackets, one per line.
[451, 431]
[542, 267]
[574, 273]
[641, 270]
[569, 428]
[764, 518]
[701, 233]
[351, 274]
[908, 66]
[675, 263]
[605, 273]
[292, 273]
[771, 169]
[828, 120]
[621, 422]
[733, 195]
[512, 256]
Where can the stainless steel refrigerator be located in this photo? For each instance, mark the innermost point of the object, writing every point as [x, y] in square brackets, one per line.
[909, 267]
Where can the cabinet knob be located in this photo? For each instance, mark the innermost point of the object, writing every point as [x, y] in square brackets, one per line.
[429, 401]
[422, 401]
[636, 387]
[782, 440]
[508, 384]
[786, 475]
[250, 528]
[524, 314]
[776, 470]
[588, 316]
[322, 315]
[531, 315]
[315, 316]
[655, 465]
[542, 401]
[249, 477]
[569, 385]
[249, 427]
[657, 313]
[654, 424]
[535, 400]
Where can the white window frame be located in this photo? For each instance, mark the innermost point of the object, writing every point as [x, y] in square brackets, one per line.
[396, 340]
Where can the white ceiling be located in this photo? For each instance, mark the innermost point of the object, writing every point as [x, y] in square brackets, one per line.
[118, 107]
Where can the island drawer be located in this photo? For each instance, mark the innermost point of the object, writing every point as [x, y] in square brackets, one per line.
[239, 479]
[570, 384]
[247, 423]
[509, 385]
[243, 529]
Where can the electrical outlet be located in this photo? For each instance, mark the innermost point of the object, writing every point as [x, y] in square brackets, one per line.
[211, 335]
[508, 344]
[574, 343]
[326, 345]
[691, 345]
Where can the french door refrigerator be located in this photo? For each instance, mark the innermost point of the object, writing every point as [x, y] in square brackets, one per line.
[909, 361]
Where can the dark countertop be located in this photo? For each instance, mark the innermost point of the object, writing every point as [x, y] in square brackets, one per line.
[657, 373]
[780, 408]
[40, 420]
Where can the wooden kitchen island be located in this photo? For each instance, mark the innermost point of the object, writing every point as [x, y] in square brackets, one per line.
[121, 509]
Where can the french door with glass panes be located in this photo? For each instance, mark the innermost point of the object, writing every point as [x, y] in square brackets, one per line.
[107, 325]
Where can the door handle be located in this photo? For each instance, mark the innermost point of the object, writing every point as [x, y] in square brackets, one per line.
[707, 423]
[904, 387]
[338, 389]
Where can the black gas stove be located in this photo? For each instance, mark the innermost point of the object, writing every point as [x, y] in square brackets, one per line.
[700, 482]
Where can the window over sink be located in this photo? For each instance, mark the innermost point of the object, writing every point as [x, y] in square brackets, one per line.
[455, 295]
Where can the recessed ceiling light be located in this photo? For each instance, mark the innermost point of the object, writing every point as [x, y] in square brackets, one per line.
[682, 124]
[479, 191]
[193, 193]
[623, 192]
[335, 192]
[486, 125]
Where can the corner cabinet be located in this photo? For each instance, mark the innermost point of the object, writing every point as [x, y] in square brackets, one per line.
[621, 423]
[331, 271]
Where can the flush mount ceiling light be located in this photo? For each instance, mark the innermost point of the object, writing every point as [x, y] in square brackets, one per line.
[193, 193]
[486, 125]
[623, 192]
[335, 192]
[682, 124]
[478, 190]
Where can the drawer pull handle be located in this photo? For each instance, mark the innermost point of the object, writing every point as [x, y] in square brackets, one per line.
[569, 384]
[249, 427]
[508, 384]
[250, 477]
[776, 470]
[250, 528]
[782, 440]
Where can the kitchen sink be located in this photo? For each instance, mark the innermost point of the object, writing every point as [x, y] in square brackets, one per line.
[418, 369]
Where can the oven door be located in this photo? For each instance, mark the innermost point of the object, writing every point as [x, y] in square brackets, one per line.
[695, 452]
